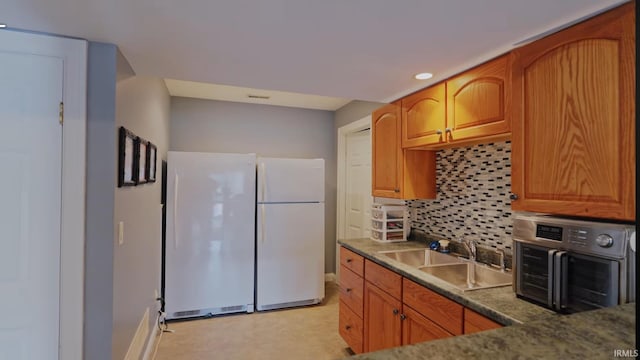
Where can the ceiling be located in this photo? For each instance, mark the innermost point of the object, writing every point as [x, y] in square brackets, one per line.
[347, 49]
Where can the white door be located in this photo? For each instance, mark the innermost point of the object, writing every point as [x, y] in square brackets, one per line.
[290, 254]
[358, 198]
[30, 215]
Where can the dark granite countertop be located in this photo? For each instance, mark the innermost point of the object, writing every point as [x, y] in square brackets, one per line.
[595, 334]
[537, 333]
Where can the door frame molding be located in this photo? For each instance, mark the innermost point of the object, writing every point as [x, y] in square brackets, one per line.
[73, 53]
[343, 132]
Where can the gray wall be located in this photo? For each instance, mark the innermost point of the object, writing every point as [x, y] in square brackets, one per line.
[142, 106]
[274, 131]
[101, 144]
[353, 111]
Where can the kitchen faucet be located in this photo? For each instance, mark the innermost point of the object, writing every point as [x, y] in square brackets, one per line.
[470, 246]
[502, 262]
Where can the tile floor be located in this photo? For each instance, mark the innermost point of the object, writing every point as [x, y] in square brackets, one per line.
[300, 333]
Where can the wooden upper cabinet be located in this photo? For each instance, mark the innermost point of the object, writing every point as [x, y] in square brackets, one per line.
[573, 138]
[424, 117]
[478, 101]
[398, 173]
[386, 152]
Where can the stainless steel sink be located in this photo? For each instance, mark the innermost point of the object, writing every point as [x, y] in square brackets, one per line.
[421, 257]
[470, 275]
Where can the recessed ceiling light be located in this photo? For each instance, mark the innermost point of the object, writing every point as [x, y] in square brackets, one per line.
[423, 76]
[2, 26]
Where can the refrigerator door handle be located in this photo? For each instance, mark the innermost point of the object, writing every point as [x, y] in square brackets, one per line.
[262, 223]
[175, 210]
[263, 181]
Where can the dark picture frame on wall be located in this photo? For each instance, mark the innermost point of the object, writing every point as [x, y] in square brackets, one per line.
[152, 159]
[140, 170]
[126, 158]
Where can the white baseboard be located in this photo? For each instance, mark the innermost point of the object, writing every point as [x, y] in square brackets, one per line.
[329, 277]
[151, 343]
[139, 338]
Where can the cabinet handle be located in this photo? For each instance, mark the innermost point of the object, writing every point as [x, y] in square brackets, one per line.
[447, 130]
[348, 327]
[395, 311]
[396, 190]
[439, 132]
[348, 290]
[349, 260]
[403, 316]
[513, 196]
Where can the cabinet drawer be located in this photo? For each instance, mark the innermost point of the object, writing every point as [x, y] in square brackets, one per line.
[416, 328]
[352, 261]
[474, 322]
[351, 290]
[383, 278]
[444, 312]
[350, 328]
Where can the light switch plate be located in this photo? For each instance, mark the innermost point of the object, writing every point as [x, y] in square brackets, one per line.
[121, 233]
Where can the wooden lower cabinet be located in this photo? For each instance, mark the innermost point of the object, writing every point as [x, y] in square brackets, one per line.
[382, 324]
[351, 288]
[474, 322]
[350, 328]
[446, 313]
[416, 328]
[382, 309]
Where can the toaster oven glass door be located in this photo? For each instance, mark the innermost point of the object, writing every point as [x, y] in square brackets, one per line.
[587, 283]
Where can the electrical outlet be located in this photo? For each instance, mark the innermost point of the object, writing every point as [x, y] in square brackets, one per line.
[121, 233]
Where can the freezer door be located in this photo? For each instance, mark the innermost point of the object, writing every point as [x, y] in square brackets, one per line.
[210, 243]
[290, 260]
[290, 180]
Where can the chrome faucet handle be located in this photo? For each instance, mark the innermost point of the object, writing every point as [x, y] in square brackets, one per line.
[470, 246]
[502, 264]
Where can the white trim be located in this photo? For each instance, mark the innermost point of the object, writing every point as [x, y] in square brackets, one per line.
[136, 347]
[329, 277]
[73, 53]
[151, 343]
[343, 132]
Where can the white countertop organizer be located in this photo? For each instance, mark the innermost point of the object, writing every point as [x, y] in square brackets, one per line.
[389, 223]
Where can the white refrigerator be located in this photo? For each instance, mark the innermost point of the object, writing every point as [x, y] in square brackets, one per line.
[210, 234]
[289, 233]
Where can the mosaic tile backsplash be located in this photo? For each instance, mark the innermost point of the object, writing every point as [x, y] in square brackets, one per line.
[473, 188]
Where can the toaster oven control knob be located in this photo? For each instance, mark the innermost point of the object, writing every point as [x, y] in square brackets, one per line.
[604, 240]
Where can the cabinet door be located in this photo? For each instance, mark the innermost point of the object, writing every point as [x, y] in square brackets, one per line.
[382, 326]
[423, 117]
[387, 153]
[417, 328]
[573, 138]
[478, 101]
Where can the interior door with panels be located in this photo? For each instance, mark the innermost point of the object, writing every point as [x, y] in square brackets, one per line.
[30, 205]
[358, 185]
